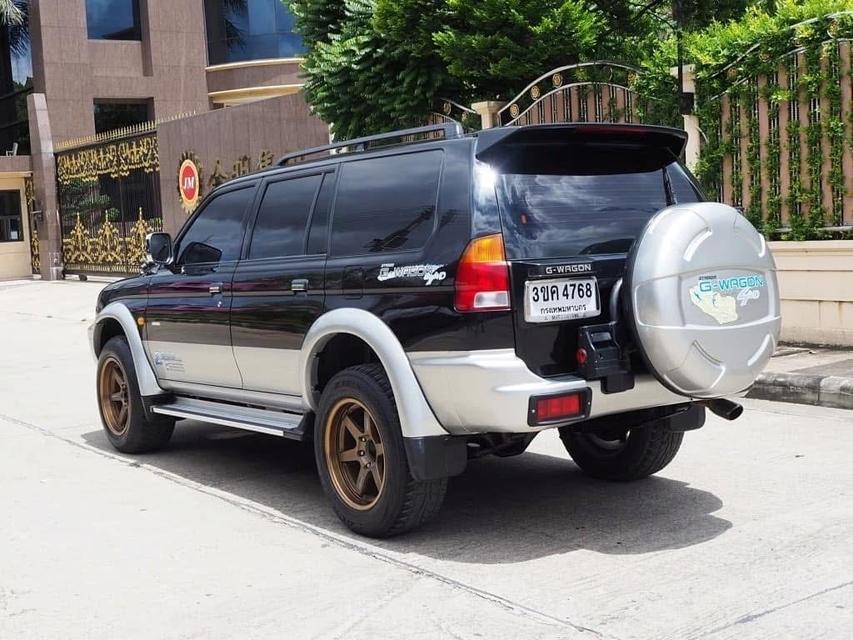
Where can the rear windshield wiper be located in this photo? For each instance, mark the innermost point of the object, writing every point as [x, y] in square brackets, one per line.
[667, 187]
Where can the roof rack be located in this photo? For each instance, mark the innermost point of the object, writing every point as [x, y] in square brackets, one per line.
[449, 129]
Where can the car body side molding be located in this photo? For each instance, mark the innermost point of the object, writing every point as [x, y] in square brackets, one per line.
[416, 416]
[117, 311]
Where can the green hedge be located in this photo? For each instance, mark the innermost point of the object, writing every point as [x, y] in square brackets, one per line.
[729, 58]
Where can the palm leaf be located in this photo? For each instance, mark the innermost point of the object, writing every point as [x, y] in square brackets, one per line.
[10, 13]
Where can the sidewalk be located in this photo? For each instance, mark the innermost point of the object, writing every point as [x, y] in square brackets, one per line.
[808, 375]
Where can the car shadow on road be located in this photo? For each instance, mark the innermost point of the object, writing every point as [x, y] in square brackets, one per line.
[501, 510]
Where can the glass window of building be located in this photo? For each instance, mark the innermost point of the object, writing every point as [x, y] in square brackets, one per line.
[11, 226]
[115, 115]
[113, 20]
[239, 30]
[16, 81]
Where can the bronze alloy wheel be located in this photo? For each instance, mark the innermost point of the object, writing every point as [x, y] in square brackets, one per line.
[114, 397]
[355, 455]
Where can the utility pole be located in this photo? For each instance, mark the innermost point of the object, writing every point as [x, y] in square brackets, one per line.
[686, 89]
[685, 99]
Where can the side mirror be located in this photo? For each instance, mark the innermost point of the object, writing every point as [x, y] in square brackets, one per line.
[158, 246]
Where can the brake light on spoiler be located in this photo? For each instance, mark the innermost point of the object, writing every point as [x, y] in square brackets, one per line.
[482, 278]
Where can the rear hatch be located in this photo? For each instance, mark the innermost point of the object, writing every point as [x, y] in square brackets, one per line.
[573, 199]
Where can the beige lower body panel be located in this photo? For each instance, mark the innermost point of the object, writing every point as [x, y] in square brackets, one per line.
[269, 370]
[489, 391]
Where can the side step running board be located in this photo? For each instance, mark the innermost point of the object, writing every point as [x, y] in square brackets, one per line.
[272, 422]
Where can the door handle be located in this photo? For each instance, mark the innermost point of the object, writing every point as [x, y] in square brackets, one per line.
[299, 284]
[215, 288]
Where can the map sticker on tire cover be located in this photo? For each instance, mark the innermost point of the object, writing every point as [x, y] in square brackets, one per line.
[721, 297]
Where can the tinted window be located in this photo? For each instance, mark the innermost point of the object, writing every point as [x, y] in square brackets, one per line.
[115, 115]
[284, 211]
[239, 30]
[217, 232]
[16, 81]
[11, 225]
[386, 204]
[549, 216]
[113, 19]
[682, 188]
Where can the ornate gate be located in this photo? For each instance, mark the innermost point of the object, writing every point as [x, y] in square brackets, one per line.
[449, 111]
[587, 92]
[109, 199]
[35, 251]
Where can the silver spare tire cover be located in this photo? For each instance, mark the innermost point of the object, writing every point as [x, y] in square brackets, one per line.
[702, 296]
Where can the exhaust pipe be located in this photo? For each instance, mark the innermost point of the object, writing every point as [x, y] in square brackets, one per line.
[724, 408]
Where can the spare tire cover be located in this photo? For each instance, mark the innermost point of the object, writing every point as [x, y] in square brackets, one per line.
[702, 296]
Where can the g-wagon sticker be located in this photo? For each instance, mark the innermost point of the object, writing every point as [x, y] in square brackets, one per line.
[560, 269]
[428, 272]
[713, 283]
[709, 297]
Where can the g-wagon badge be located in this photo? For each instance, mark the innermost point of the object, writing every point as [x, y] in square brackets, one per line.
[560, 269]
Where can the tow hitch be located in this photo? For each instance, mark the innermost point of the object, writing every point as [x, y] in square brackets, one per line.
[601, 356]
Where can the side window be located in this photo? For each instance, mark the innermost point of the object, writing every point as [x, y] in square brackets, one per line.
[682, 188]
[386, 204]
[282, 217]
[216, 234]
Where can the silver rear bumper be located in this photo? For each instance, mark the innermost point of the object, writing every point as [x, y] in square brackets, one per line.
[489, 391]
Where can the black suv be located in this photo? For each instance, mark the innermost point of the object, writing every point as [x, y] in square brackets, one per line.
[419, 298]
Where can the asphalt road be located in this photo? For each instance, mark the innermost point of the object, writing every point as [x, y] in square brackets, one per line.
[747, 534]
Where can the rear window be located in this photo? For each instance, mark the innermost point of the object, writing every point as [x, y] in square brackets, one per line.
[386, 204]
[583, 213]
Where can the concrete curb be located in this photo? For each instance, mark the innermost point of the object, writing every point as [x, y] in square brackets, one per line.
[826, 391]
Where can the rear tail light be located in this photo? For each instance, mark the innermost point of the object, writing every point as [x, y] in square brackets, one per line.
[482, 278]
[548, 409]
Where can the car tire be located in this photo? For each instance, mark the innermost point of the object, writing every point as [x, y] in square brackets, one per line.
[639, 454]
[361, 459]
[126, 424]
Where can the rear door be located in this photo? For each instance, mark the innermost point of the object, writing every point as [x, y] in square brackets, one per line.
[383, 222]
[569, 218]
[278, 286]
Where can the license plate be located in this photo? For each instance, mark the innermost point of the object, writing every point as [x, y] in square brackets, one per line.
[561, 299]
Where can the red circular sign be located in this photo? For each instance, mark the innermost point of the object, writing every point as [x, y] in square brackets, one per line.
[188, 182]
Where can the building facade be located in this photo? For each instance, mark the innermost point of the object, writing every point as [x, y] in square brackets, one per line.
[79, 70]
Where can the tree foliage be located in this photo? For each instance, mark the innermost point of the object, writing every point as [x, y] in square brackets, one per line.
[376, 64]
[356, 78]
[722, 44]
[773, 29]
[495, 47]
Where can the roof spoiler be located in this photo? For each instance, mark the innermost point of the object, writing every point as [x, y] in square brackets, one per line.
[491, 142]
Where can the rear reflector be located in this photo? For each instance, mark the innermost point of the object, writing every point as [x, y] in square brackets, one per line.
[482, 278]
[548, 409]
